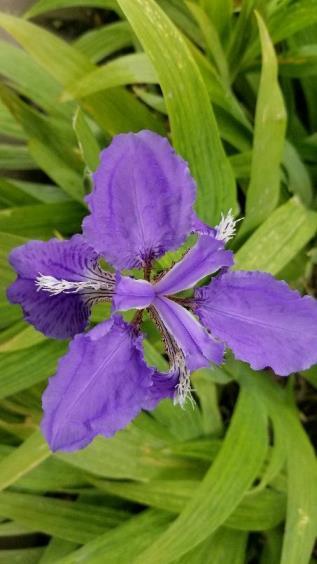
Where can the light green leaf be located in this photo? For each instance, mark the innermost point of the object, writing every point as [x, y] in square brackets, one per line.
[299, 181]
[279, 238]
[256, 512]
[9, 126]
[99, 43]
[115, 110]
[56, 550]
[301, 517]
[129, 69]
[42, 6]
[25, 74]
[21, 369]
[23, 459]
[194, 130]
[124, 543]
[41, 220]
[269, 132]
[16, 157]
[224, 546]
[130, 455]
[35, 191]
[300, 62]
[88, 145]
[73, 521]
[21, 556]
[234, 470]
[23, 337]
[272, 547]
[213, 45]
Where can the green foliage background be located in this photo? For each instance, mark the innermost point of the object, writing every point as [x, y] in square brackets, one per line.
[234, 85]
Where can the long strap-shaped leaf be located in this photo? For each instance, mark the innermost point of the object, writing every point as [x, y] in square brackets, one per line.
[116, 110]
[23, 459]
[231, 475]
[301, 518]
[194, 129]
[269, 133]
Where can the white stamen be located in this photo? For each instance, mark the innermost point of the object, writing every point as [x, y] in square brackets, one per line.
[183, 390]
[54, 286]
[226, 229]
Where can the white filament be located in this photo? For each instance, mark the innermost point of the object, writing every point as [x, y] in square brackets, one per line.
[226, 229]
[183, 390]
[54, 286]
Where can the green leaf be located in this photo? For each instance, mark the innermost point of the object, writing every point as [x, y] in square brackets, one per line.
[269, 132]
[256, 512]
[208, 399]
[213, 45]
[299, 181]
[21, 556]
[21, 369]
[129, 69]
[279, 238]
[56, 550]
[220, 13]
[131, 454]
[51, 475]
[300, 62]
[15, 157]
[301, 517]
[116, 110]
[88, 145]
[57, 140]
[42, 6]
[19, 336]
[74, 521]
[15, 190]
[11, 195]
[41, 220]
[99, 43]
[273, 547]
[194, 130]
[25, 74]
[124, 543]
[7, 243]
[224, 546]
[8, 125]
[233, 472]
[23, 459]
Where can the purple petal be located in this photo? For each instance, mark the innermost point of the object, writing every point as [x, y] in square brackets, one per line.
[262, 320]
[199, 347]
[101, 385]
[61, 315]
[141, 205]
[207, 256]
[164, 386]
[131, 293]
[202, 228]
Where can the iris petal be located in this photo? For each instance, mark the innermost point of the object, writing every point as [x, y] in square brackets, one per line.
[262, 320]
[141, 205]
[200, 348]
[65, 314]
[101, 385]
[205, 258]
[131, 293]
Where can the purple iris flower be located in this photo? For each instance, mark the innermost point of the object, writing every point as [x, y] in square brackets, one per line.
[140, 208]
